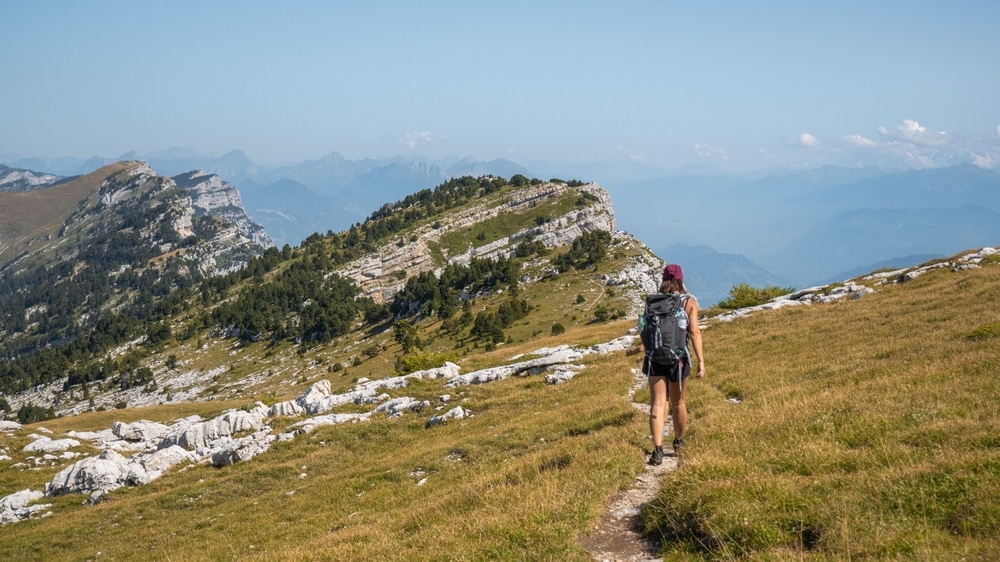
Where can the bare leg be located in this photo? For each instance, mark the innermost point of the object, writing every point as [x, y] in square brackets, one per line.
[678, 409]
[657, 408]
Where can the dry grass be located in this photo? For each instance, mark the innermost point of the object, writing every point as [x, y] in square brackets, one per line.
[521, 479]
[866, 429]
[35, 216]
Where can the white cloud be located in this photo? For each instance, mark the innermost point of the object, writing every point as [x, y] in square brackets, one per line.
[998, 130]
[630, 153]
[858, 140]
[706, 151]
[419, 138]
[912, 132]
[808, 141]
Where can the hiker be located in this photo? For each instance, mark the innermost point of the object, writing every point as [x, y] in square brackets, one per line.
[668, 382]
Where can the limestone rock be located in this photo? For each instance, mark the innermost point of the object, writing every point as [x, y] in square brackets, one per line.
[104, 472]
[397, 406]
[15, 506]
[141, 430]
[48, 445]
[310, 425]
[558, 356]
[288, 409]
[144, 469]
[244, 448]
[198, 435]
[9, 426]
[456, 413]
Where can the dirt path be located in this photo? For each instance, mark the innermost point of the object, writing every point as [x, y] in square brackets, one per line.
[618, 537]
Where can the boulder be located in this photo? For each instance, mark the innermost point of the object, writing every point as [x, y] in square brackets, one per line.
[309, 425]
[397, 406]
[104, 472]
[289, 409]
[47, 445]
[244, 448]
[145, 469]
[141, 430]
[556, 356]
[198, 435]
[15, 506]
[10, 426]
[456, 413]
[312, 399]
[447, 371]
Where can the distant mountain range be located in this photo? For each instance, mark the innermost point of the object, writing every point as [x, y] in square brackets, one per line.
[812, 226]
[294, 201]
[797, 228]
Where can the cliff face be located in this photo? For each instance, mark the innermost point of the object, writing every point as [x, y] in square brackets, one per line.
[109, 240]
[424, 250]
[212, 196]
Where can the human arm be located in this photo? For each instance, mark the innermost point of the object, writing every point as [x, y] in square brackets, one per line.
[694, 331]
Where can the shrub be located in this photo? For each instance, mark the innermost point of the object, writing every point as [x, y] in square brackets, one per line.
[421, 361]
[743, 295]
[557, 329]
[29, 413]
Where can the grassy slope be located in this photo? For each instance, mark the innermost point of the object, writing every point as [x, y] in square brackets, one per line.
[25, 217]
[520, 479]
[867, 429]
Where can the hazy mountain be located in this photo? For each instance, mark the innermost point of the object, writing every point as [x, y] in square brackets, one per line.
[933, 187]
[290, 211]
[709, 274]
[866, 236]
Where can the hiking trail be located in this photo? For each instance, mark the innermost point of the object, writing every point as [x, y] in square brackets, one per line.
[618, 537]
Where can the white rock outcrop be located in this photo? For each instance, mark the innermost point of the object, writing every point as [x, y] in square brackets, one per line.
[10, 426]
[558, 356]
[15, 506]
[456, 413]
[104, 472]
[49, 445]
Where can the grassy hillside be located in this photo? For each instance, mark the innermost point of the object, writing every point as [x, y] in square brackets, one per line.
[867, 429]
[27, 218]
[520, 479]
[857, 430]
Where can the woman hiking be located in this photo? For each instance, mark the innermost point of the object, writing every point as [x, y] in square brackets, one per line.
[668, 382]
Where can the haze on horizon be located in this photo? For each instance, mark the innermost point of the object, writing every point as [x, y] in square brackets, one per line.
[727, 86]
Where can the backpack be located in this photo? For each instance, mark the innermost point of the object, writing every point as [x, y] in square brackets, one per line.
[663, 328]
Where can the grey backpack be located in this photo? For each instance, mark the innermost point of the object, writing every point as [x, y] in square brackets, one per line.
[664, 329]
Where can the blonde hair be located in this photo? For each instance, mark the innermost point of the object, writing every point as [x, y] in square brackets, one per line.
[673, 286]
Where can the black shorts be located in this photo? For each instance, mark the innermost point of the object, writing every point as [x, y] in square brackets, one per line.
[654, 370]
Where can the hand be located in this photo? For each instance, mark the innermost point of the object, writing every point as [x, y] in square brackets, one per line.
[701, 370]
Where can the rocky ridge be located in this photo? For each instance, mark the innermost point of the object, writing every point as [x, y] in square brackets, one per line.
[16, 179]
[373, 273]
[200, 194]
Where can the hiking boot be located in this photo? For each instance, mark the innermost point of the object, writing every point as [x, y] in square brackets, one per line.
[656, 459]
[678, 445]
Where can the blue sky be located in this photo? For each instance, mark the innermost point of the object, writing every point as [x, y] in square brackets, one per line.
[736, 85]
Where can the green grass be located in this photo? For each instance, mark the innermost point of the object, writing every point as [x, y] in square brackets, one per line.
[867, 430]
[506, 224]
